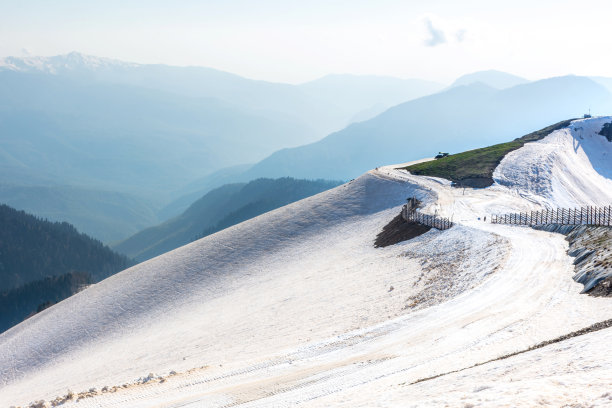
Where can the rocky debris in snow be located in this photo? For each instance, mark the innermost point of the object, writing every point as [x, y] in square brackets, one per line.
[603, 288]
[92, 392]
[592, 249]
[39, 404]
[150, 377]
[62, 400]
[606, 131]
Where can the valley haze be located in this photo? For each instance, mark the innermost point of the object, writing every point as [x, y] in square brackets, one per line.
[289, 204]
[115, 147]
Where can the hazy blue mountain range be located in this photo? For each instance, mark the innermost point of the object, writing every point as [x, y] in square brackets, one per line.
[114, 147]
[219, 209]
[324, 105]
[77, 127]
[188, 194]
[365, 96]
[122, 140]
[494, 79]
[125, 138]
[606, 82]
[461, 118]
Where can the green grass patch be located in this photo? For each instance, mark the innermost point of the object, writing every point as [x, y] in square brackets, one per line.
[474, 168]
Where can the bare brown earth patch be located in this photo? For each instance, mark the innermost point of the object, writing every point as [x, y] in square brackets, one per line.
[399, 230]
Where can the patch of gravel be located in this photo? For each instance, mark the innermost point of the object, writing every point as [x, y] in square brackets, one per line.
[452, 262]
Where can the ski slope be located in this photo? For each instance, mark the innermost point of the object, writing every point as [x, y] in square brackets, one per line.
[296, 307]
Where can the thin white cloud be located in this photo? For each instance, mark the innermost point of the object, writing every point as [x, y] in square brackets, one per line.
[435, 36]
[460, 35]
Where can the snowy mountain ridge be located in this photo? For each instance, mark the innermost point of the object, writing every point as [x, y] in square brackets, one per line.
[297, 307]
[73, 61]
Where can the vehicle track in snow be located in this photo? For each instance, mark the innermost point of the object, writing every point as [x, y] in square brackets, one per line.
[530, 299]
[514, 309]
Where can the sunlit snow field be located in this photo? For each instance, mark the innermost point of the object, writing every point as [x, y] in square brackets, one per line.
[297, 307]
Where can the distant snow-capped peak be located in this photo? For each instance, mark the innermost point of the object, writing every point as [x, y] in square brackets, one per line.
[73, 61]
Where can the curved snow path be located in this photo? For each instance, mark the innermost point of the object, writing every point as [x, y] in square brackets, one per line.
[330, 342]
[530, 299]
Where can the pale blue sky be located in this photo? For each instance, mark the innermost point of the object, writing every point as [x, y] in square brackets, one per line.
[295, 41]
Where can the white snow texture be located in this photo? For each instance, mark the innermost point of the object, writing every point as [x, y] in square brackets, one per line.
[297, 308]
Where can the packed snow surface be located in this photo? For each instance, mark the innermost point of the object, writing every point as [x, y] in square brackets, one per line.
[297, 307]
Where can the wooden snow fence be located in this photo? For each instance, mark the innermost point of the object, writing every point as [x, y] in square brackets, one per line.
[410, 214]
[599, 216]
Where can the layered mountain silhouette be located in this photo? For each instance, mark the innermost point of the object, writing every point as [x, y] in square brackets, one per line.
[90, 131]
[115, 147]
[461, 118]
[494, 79]
[323, 105]
[365, 96]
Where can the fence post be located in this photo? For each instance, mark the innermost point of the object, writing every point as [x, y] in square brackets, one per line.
[563, 216]
[599, 216]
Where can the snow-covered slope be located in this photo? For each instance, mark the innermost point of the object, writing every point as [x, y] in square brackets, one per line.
[297, 307]
[569, 168]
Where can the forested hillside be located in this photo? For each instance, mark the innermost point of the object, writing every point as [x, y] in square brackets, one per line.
[43, 262]
[24, 301]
